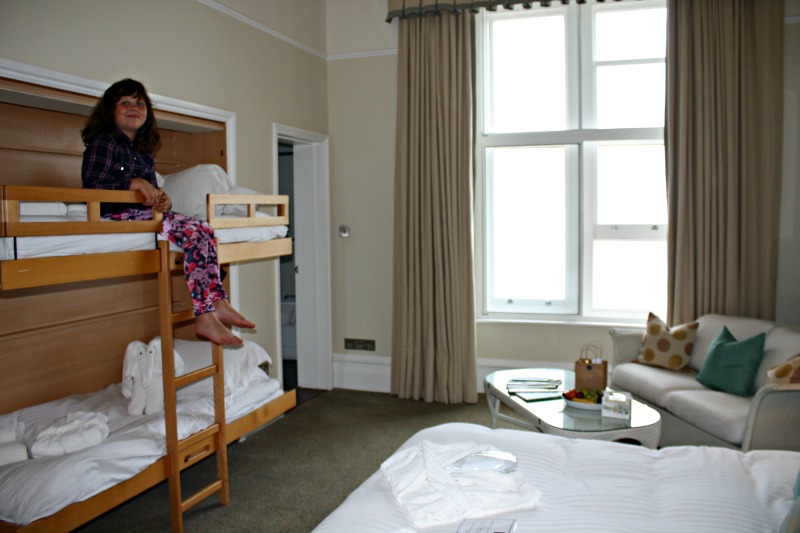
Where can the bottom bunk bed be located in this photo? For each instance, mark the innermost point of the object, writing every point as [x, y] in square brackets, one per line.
[61, 492]
[565, 484]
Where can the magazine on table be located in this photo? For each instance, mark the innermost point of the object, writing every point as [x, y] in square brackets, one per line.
[534, 389]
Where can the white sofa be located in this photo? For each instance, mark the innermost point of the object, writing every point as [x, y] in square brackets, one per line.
[694, 414]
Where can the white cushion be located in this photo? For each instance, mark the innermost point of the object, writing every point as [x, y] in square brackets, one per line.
[188, 188]
[651, 383]
[718, 413]
[711, 325]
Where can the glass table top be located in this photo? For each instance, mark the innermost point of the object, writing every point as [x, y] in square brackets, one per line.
[556, 412]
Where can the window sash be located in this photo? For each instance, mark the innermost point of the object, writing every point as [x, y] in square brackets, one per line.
[499, 266]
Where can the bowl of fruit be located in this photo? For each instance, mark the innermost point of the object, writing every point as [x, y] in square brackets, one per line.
[587, 399]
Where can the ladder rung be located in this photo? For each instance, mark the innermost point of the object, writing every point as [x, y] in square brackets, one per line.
[182, 316]
[201, 495]
[196, 375]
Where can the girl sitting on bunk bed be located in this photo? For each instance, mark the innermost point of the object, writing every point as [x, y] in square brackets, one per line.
[121, 137]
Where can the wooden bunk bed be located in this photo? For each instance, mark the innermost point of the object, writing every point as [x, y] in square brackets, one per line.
[112, 298]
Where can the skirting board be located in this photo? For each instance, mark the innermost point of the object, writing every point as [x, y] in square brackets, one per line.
[372, 373]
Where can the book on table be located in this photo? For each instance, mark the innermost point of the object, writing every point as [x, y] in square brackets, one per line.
[534, 389]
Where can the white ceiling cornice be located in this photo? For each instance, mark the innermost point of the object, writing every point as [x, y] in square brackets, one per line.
[262, 27]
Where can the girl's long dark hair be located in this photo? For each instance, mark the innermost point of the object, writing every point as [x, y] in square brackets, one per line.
[147, 139]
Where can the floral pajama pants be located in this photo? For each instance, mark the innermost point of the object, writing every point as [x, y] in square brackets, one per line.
[200, 265]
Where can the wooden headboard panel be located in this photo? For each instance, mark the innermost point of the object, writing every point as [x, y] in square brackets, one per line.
[68, 339]
[40, 136]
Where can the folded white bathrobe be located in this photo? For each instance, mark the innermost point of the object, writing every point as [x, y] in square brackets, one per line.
[433, 496]
[74, 432]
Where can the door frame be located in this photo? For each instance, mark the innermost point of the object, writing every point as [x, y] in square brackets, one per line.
[312, 251]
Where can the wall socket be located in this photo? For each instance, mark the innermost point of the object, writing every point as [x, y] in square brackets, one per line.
[359, 344]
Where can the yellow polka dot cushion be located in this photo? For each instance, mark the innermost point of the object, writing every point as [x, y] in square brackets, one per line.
[667, 347]
[788, 372]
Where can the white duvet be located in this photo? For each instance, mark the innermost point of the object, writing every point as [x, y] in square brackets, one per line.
[32, 489]
[589, 485]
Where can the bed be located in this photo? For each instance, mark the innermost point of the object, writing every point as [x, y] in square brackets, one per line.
[42, 233]
[47, 242]
[36, 488]
[70, 310]
[588, 485]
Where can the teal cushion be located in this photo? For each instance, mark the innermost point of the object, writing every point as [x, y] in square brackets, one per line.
[731, 365]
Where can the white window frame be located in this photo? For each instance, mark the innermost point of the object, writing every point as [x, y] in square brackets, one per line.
[580, 62]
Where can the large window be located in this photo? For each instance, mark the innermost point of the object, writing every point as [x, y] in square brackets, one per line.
[571, 189]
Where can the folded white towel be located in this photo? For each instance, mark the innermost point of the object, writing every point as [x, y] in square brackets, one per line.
[9, 429]
[74, 432]
[433, 496]
[12, 452]
[58, 209]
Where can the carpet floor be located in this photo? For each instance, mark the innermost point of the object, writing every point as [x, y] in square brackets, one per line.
[287, 477]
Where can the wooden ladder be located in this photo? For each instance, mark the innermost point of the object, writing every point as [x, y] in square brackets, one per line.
[183, 453]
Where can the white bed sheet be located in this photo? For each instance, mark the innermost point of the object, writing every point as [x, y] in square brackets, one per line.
[33, 489]
[33, 247]
[592, 485]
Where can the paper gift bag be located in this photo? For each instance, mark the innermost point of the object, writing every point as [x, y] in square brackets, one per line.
[590, 375]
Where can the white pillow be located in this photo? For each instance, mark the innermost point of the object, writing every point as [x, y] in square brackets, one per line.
[239, 364]
[56, 209]
[188, 188]
[237, 210]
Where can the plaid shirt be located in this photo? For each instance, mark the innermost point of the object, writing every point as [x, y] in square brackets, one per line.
[110, 162]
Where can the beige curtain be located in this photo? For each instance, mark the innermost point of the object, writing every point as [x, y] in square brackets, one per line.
[724, 149]
[433, 352]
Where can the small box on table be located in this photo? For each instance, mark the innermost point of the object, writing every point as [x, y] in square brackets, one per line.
[616, 404]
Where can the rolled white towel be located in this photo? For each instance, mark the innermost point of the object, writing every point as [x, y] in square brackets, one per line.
[9, 431]
[74, 432]
[12, 452]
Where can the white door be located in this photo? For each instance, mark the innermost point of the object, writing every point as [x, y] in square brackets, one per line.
[311, 255]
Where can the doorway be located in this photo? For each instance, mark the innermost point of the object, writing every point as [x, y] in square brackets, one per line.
[288, 295]
[301, 170]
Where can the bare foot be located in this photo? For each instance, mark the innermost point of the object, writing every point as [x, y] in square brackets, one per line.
[230, 316]
[208, 326]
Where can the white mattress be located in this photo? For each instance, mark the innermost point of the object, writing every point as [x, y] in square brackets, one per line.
[591, 485]
[32, 247]
[36, 488]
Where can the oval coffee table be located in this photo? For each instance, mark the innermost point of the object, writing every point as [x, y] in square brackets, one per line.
[555, 417]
